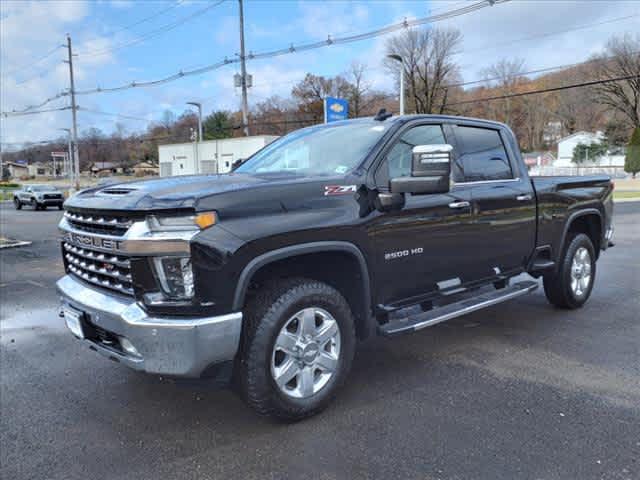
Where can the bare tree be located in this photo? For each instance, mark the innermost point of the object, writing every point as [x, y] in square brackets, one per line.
[311, 91]
[428, 64]
[505, 75]
[358, 88]
[621, 58]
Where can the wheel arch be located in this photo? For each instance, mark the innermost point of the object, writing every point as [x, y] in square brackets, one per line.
[310, 257]
[587, 221]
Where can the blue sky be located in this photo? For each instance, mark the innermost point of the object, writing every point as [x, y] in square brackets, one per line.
[31, 29]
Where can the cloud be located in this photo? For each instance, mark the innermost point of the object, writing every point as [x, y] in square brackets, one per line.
[28, 77]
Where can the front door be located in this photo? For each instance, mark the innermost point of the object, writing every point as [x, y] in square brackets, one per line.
[426, 246]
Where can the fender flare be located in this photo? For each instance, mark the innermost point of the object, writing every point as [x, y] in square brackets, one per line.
[301, 249]
[571, 219]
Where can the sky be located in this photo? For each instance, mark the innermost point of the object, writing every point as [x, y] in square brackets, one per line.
[118, 42]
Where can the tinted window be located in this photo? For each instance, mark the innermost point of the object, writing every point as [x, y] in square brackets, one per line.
[399, 157]
[482, 154]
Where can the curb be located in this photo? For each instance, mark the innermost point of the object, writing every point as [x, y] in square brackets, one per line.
[16, 244]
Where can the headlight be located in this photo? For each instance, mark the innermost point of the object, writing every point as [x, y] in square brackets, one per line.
[175, 277]
[197, 221]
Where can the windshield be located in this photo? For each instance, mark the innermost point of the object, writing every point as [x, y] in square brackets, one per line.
[42, 188]
[322, 150]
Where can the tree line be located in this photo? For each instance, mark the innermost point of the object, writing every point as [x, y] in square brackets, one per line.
[433, 85]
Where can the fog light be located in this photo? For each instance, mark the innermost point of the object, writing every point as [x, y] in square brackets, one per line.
[128, 347]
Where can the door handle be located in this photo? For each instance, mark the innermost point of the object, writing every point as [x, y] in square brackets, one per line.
[459, 204]
[524, 198]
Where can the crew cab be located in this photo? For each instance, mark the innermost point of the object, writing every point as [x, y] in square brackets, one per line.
[269, 275]
[38, 196]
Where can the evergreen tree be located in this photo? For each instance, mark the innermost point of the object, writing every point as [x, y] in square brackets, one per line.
[632, 160]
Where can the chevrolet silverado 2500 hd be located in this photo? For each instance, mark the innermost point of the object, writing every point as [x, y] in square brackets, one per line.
[270, 274]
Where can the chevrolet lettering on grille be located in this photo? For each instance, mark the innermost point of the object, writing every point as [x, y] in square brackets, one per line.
[89, 241]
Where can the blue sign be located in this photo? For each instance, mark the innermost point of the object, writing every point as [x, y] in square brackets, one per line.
[335, 109]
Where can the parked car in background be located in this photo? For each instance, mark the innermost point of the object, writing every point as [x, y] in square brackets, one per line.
[38, 196]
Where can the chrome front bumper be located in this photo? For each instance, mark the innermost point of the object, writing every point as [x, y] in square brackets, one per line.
[166, 345]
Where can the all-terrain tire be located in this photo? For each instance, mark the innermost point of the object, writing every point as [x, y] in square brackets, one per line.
[558, 285]
[266, 314]
[17, 203]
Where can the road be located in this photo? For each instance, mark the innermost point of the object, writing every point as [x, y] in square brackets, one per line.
[518, 391]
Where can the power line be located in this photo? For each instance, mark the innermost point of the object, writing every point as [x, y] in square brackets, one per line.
[152, 33]
[304, 47]
[35, 62]
[100, 112]
[33, 112]
[139, 22]
[549, 34]
[546, 90]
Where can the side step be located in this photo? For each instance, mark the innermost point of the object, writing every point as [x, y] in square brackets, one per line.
[457, 309]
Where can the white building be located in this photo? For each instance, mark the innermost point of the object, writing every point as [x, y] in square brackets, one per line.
[567, 145]
[214, 156]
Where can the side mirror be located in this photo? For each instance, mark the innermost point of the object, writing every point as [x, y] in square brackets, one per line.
[430, 171]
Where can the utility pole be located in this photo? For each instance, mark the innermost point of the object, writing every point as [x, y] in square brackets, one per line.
[74, 132]
[243, 73]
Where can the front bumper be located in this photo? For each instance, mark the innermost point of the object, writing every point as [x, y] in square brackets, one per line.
[166, 345]
[50, 201]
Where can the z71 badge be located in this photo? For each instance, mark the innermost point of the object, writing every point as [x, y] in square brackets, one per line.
[339, 189]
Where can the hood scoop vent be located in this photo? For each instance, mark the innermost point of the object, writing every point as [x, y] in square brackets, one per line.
[117, 191]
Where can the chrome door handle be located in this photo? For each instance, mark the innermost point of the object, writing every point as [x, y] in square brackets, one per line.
[524, 198]
[459, 204]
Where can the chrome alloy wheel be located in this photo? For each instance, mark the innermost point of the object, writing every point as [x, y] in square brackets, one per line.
[306, 353]
[580, 272]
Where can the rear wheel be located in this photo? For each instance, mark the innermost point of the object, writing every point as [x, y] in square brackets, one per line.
[298, 346]
[17, 203]
[570, 286]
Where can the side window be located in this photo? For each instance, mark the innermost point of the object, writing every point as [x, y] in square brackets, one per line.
[399, 157]
[482, 154]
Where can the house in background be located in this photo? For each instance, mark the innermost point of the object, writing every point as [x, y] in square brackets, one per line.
[567, 145]
[145, 168]
[105, 169]
[17, 170]
[538, 159]
[41, 170]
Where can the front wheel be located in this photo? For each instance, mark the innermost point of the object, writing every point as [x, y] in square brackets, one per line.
[298, 345]
[17, 203]
[570, 286]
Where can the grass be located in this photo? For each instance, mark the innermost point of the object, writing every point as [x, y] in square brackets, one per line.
[620, 194]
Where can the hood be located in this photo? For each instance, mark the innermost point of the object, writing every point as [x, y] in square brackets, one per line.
[182, 192]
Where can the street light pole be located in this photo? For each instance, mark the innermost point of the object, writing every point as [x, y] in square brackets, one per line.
[398, 58]
[199, 137]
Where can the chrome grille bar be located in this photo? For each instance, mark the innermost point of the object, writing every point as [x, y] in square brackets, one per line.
[99, 256]
[102, 269]
[105, 221]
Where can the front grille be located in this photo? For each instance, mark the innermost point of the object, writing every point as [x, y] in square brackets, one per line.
[102, 269]
[98, 223]
[52, 196]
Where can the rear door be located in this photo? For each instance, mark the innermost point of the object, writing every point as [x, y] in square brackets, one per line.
[503, 201]
[426, 246]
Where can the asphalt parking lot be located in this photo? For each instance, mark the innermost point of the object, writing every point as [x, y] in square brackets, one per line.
[518, 391]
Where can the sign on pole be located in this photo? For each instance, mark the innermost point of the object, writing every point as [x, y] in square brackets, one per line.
[335, 109]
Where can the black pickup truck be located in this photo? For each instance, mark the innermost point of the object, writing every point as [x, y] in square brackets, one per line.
[270, 275]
